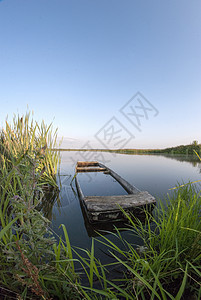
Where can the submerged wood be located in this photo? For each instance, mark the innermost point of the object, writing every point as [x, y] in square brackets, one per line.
[110, 203]
[87, 163]
[80, 169]
[109, 208]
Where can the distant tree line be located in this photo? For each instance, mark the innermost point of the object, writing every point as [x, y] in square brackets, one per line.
[182, 150]
[178, 150]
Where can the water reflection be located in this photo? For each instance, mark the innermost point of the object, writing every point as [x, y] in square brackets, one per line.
[100, 184]
[194, 160]
[50, 198]
[153, 173]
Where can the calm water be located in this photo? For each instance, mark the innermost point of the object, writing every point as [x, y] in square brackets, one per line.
[155, 174]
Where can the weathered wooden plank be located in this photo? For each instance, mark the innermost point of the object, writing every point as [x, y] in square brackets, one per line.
[87, 163]
[107, 208]
[80, 193]
[109, 203]
[90, 169]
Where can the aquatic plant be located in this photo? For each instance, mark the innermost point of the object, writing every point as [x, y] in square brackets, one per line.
[28, 249]
[167, 264]
[34, 264]
[26, 136]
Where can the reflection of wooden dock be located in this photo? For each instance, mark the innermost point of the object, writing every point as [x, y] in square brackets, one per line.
[107, 208]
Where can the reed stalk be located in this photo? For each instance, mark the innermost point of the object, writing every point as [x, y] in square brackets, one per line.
[32, 263]
[167, 264]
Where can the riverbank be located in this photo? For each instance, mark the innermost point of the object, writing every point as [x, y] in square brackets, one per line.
[178, 150]
[167, 264]
[28, 248]
[35, 265]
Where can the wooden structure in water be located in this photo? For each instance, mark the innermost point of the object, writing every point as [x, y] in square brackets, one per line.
[108, 208]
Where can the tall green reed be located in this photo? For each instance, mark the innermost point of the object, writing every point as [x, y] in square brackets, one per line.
[24, 135]
[28, 250]
[167, 264]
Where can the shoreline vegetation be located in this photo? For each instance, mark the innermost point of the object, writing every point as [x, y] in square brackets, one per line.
[34, 265]
[178, 150]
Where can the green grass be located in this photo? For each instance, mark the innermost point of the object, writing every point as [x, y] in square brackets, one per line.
[37, 141]
[33, 265]
[28, 249]
[168, 265]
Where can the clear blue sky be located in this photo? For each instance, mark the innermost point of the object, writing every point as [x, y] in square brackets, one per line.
[78, 62]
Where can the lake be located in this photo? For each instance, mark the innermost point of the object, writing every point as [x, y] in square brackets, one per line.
[153, 173]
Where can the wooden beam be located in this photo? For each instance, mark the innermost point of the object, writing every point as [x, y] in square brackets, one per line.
[112, 203]
[80, 169]
[87, 163]
[107, 208]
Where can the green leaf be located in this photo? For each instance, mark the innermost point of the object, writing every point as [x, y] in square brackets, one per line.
[182, 287]
[7, 227]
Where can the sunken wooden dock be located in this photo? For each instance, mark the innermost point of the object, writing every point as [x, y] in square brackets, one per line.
[109, 208]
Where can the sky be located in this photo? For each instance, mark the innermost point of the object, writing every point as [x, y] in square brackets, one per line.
[107, 73]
